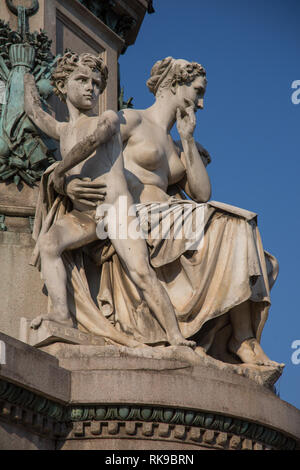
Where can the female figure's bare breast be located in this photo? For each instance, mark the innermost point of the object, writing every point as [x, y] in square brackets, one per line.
[151, 162]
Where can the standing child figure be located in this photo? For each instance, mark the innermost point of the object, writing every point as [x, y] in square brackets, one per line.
[91, 148]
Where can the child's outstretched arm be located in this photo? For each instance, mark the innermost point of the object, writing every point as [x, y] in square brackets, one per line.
[35, 112]
[108, 127]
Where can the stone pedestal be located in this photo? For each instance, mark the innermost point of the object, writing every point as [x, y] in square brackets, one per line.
[20, 287]
[108, 397]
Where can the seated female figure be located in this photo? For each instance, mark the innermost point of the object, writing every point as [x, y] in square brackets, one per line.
[220, 291]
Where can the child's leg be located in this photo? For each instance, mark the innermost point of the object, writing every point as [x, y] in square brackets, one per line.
[71, 231]
[134, 257]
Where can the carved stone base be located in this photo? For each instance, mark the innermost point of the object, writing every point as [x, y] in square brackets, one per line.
[50, 332]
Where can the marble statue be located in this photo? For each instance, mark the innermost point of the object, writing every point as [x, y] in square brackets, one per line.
[91, 147]
[218, 293]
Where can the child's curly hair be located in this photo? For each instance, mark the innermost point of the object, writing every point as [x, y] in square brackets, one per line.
[69, 62]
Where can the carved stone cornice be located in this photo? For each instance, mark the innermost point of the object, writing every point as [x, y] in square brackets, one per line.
[31, 411]
[124, 18]
[58, 421]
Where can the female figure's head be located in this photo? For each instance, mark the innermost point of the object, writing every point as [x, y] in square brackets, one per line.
[80, 79]
[185, 80]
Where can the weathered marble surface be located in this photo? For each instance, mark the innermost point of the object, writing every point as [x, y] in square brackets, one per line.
[52, 332]
[107, 357]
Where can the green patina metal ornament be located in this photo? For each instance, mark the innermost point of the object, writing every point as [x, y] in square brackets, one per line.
[24, 152]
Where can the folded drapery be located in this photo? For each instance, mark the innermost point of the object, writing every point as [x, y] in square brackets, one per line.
[205, 277]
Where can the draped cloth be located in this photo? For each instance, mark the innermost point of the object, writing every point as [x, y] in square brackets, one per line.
[204, 280]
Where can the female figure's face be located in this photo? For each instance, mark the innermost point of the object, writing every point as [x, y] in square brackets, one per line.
[191, 93]
[83, 88]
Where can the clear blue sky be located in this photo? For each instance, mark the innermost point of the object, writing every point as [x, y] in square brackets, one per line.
[250, 49]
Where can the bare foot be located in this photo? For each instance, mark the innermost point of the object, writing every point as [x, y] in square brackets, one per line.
[179, 340]
[66, 321]
[250, 352]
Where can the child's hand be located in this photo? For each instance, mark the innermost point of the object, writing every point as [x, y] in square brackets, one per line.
[85, 191]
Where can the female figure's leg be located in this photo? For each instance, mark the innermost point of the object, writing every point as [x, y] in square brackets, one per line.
[243, 342]
[134, 256]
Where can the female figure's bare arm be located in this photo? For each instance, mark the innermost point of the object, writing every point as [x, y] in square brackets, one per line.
[196, 182]
[34, 110]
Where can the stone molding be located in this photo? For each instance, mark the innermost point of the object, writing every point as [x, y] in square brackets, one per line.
[164, 432]
[85, 397]
[37, 414]
[123, 18]
[60, 422]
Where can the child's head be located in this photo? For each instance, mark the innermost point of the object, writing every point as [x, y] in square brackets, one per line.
[79, 74]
